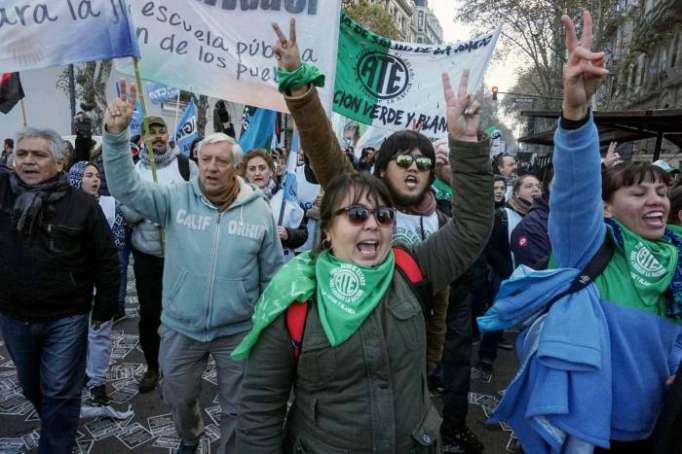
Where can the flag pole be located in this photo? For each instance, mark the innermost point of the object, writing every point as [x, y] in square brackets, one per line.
[145, 132]
[23, 112]
[145, 123]
[177, 114]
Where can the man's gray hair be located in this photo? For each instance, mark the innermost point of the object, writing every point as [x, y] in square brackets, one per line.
[219, 137]
[56, 144]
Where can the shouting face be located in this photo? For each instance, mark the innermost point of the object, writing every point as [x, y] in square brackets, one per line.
[408, 176]
[34, 161]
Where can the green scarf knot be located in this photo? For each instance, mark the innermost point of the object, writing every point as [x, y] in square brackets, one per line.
[301, 76]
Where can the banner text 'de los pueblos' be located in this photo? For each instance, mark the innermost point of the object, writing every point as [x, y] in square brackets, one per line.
[393, 84]
[58, 32]
[224, 48]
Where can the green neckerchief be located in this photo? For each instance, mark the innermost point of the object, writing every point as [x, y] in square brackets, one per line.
[442, 189]
[347, 294]
[651, 265]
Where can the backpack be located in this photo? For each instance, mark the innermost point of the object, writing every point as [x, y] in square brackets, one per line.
[183, 166]
[298, 313]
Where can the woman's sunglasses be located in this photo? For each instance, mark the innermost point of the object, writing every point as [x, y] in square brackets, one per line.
[406, 160]
[358, 214]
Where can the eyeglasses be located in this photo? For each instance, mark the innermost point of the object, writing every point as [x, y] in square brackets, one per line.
[406, 160]
[358, 214]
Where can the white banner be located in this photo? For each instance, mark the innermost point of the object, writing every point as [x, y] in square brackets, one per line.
[393, 85]
[59, 32]
[224, 48]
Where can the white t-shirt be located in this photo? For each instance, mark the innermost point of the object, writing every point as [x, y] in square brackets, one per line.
[307, 193]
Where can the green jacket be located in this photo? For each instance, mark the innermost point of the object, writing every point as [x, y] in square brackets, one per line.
[369, 394]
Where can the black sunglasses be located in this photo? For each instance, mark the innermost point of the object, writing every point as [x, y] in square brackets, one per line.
[358, 214]
[406, 160]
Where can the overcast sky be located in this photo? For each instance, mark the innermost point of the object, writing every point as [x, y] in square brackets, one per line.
[501, 73]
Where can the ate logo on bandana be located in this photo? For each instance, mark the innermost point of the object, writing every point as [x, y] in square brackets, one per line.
[644, 263]
[347, 282]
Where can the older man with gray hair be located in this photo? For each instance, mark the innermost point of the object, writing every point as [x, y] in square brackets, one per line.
[221, 251]
[56, 247]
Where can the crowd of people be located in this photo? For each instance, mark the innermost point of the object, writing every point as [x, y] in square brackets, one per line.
[335, 319]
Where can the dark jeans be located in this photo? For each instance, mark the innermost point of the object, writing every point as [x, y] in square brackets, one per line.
[148, 280]
[50, 360]
[487, 351]
[456, 361]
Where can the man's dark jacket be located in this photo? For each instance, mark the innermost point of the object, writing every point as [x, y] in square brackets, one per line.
[530, 239]
[52, 275]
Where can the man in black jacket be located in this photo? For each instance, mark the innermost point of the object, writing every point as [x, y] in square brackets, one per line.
[56, 247]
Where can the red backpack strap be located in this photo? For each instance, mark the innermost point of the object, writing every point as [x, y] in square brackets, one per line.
[406, 263]
[297, 313]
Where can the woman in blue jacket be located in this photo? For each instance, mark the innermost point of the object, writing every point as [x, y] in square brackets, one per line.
[641, 288]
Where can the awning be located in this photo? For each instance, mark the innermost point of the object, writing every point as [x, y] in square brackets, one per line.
[626, 126]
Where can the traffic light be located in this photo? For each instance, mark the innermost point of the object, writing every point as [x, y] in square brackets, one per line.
[494, 93]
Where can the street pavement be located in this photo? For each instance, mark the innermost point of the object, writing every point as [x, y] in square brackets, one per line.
[150, 429]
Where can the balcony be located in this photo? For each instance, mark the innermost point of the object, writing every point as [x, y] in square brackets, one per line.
[406, 5]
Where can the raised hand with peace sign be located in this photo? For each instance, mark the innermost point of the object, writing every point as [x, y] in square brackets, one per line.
[120, 112]
[583, 71]
[464, 110]
[286, 49]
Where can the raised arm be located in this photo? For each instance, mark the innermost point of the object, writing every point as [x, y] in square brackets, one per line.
[317, 136]
[148, 199]
[450, 252]
[576, 219]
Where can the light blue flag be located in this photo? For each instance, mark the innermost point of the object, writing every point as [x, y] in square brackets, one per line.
[136, 122]
[289, 184]
[57, 33]
[186, 132]
[260, 130]
[159, 93]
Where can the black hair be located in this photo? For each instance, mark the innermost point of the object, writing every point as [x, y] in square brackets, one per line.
[402, 142]
[630, 174]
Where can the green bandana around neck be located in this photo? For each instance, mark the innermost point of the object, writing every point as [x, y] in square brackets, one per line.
[652, 264]
[346, 295]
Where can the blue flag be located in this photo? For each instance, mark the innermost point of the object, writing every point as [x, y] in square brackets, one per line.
[159, 93]
[136, 122]
[289, 184]
[57, 33]
[186, 132]
[260, 130]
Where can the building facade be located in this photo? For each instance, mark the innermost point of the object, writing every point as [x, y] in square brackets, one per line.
[643, 40]
[644, 48]
[413, 18]
[428, 28]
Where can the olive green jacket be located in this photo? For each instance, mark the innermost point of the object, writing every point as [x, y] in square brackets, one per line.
[369, 394]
